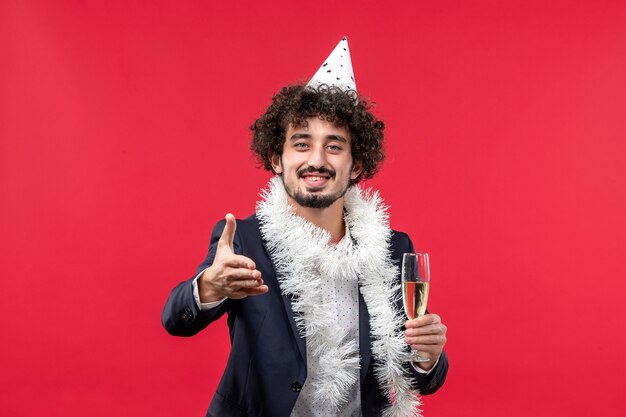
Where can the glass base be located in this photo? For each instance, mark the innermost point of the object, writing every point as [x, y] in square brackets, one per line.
[415, 357]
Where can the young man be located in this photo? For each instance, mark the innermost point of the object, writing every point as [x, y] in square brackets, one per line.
[310, 282]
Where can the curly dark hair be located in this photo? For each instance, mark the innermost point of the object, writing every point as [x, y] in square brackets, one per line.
[293, 105]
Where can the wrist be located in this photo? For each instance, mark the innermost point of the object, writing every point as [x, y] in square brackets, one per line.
[206, 292]
[424, 366]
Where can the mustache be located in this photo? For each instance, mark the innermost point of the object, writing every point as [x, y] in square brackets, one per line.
[320, 170]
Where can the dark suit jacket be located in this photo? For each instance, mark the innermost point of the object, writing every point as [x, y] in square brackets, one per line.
[267, 364]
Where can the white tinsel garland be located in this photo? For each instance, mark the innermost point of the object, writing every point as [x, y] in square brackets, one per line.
[302, 255]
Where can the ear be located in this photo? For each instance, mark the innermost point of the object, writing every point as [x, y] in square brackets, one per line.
[357, 169]
[276, 163]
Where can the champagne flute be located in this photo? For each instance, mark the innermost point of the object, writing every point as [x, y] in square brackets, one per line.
[415, 283]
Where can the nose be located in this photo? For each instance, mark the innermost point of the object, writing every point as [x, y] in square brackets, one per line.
[317, 157]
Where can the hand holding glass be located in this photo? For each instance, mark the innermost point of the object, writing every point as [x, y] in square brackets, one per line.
[415, 283]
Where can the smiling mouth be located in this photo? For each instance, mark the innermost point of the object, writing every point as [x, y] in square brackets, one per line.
[315, 177]
[315, 180]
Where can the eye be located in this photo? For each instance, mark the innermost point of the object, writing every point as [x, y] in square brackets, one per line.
[334, 148]
[300, 146]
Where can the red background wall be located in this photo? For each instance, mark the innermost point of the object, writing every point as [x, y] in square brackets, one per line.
[123, 130]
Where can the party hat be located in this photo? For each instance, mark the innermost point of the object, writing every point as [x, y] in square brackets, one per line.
[336, 69]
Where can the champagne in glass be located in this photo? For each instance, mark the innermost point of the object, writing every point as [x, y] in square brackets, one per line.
[415, 296]
[415, 285]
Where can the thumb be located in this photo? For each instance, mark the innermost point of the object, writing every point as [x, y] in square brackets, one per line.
[228, 235]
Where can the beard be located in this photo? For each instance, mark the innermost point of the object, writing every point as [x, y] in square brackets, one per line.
[313, 200]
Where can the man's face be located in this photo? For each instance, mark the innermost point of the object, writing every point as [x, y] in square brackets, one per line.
[316, 164]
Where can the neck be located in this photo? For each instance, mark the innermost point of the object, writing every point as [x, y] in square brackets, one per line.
[329, 218]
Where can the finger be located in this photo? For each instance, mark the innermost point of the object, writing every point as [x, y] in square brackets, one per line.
[426, 330]
[232, 275]
[436, 340]
[247, 287]
[242, 284]
[245, 292]
[429, 350]
[426, 320]
[436, 319]
[228, 234]
[238, 261]
[261, 289]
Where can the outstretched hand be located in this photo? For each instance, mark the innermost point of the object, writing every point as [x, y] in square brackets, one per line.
[231, 275]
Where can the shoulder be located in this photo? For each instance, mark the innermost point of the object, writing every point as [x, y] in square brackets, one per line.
[249, 226]
[246, 229]
[247, 234]
[247, 223]
[400, 243]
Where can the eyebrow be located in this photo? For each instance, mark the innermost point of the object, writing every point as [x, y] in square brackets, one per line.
[297, 136]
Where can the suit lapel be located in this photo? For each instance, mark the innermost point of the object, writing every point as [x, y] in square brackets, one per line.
[365, 348]
[300, 340]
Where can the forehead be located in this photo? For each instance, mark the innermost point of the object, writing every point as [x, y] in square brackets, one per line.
[316, 126]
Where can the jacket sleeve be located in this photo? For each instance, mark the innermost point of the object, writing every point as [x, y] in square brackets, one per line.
[431, 382]
[181, 315]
